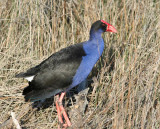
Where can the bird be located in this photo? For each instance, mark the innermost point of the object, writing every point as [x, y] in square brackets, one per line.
[65, 69]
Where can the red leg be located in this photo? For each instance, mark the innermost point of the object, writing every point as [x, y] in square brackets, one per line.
[60, 109]
[65, 115]
[62, 96]
[63, 110]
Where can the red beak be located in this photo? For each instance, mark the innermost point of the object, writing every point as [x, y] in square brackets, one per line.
[110, 28]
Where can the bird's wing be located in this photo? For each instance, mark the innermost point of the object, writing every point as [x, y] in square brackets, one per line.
[58, 70]
[71, 53]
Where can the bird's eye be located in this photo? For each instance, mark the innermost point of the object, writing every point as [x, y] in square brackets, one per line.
[103, 24]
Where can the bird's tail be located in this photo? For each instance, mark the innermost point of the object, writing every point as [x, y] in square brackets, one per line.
[31, 94]
[21, 75]
[30, 72]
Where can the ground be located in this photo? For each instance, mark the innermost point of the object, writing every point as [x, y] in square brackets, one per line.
[124, 86]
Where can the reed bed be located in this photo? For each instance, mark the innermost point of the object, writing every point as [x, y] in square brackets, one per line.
[125, 92]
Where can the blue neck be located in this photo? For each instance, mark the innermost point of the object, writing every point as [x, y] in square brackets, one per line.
[95, 45]
[93, 49]
[96, 35]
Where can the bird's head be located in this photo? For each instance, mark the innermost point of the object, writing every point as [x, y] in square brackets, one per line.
[102, 26]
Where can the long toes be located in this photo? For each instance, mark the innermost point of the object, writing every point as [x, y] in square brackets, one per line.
[65, 126]
[62, 126]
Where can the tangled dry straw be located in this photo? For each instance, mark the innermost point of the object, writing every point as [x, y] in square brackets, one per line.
[125, 92]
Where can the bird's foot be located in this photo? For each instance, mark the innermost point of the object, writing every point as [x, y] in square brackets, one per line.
[61, 111]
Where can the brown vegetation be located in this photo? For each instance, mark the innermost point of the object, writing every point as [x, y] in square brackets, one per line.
[126, 88]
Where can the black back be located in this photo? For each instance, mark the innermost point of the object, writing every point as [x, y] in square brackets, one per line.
[54, 74]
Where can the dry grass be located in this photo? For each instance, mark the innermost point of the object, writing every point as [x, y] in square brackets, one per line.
[126, 87]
